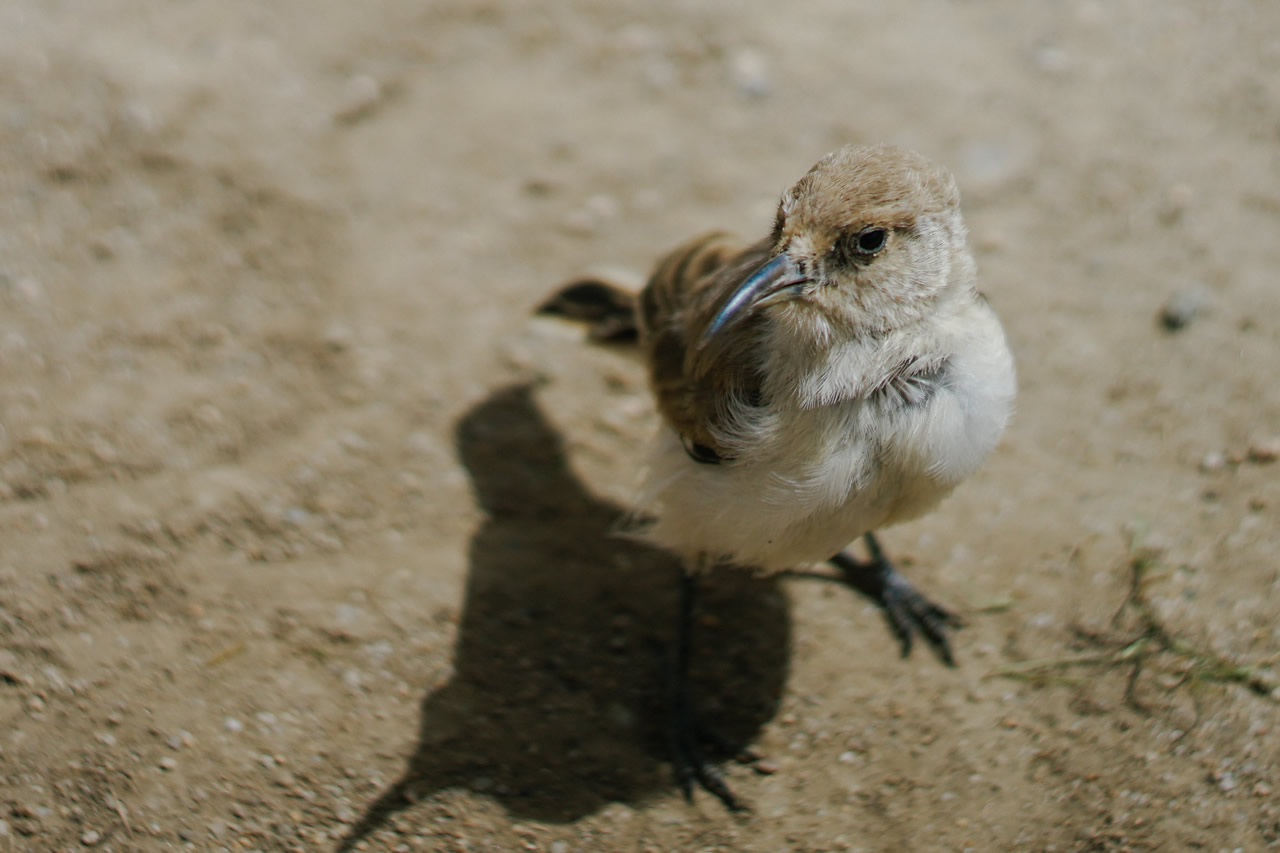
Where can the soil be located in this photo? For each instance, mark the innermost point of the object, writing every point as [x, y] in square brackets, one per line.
[307, 525]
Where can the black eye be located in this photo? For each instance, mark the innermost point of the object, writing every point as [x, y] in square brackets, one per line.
[870, 241]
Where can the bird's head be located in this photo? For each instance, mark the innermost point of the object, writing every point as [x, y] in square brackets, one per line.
[864, 243]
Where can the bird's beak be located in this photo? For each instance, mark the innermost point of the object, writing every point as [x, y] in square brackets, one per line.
[776, 281]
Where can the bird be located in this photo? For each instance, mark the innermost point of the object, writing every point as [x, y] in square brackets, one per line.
[840, 375]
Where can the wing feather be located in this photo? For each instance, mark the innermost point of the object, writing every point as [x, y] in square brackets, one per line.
[686, 289]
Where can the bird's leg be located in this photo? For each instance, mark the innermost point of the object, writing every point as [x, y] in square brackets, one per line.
[907, 610]
[687, 733]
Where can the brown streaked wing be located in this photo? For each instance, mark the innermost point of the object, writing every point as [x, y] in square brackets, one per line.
[686, 288]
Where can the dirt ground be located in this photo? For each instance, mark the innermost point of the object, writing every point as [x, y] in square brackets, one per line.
[306, 524]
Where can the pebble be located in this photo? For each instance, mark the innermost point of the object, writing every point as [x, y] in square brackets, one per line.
[30, 290]
[40, 437]
[360, 97]
[1215, 460]
[750, 73]
[168, 763]
[209, 415]
[231, 724]
[352, 441]
[9, 667]
[659, 72]
[103, 450]
[338, 337]
[1054, 59]
[594, 213]
[1177, 200]
[90, 838]
[1183, 306]
[604, 207]
[181, 739]
[1265, 450]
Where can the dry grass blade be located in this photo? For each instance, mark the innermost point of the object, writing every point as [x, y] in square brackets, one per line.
[1154, 645]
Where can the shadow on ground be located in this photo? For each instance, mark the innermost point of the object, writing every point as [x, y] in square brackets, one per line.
[556, 705]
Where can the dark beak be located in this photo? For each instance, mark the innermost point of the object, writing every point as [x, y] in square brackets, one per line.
[779, 279]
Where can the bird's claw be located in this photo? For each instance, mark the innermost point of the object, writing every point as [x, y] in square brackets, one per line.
[909, 613]
[688, 736]
[907, 610]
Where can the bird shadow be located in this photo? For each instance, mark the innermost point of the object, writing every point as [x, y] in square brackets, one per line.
[557, 702]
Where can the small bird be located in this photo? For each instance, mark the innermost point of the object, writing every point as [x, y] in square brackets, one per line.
[841, 375]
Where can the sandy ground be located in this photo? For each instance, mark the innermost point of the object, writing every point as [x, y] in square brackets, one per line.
[305, 523]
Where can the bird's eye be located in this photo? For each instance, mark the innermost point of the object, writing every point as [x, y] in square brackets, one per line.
[870, 240]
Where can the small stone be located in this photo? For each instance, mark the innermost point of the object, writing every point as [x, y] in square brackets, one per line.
[90, 838]
[102, 449]
[1174, 205]
[1265, 450]
[208, 415]
[168, 763]
[338, 337]
[1182, 307]
[40, 437]
[559, 847]
[30, 290]
[750, 73]
[604, 207]
[1053, 59]
[352, 441]
[594, 213]
[231, 724]
[765, 767]
[579, 223]
[1213, 461]
[360, 97]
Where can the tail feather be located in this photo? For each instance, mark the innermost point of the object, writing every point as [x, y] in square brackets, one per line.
[608, 310]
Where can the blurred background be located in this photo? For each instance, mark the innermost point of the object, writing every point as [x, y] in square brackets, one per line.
[305, 523]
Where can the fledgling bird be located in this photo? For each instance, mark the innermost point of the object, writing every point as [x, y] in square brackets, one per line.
[841, 375]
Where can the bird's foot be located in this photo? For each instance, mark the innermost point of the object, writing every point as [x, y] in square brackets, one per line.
[909, 613]
[689, 737]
